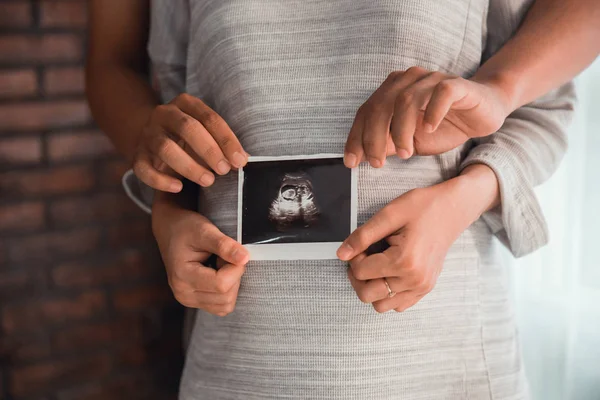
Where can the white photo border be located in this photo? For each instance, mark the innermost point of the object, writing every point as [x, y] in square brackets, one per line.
[296, 251]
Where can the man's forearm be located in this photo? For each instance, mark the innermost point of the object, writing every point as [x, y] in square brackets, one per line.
[555, 42]
[121, 100]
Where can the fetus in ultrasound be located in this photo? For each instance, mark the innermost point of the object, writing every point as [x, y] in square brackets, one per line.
[295, 203]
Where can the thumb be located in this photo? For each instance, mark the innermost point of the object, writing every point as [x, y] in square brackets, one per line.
[384, 223]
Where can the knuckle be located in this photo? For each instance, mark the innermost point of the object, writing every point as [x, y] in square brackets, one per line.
[445, 86]
[416, 70]
[209, 117]
[363, 296]
[209, 151]
[379, 308]
[394, 76]
[224, 141]
[221, 286]
[406, 98]
[186, 126]
[165, 147]
[360, 273]
[182, 98]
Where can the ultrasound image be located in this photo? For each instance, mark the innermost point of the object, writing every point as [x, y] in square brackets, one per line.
[296, 201]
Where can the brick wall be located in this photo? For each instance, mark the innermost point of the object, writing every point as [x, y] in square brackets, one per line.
[85, 312]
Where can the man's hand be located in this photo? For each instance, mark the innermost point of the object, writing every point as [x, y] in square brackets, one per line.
[420, 226]
[186, 123]
[186, 240]
[424, 112]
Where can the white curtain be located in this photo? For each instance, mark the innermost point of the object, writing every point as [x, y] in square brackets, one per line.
[557, 289]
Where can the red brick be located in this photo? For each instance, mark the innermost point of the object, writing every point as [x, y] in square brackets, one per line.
[127, 266]
[67, 80]
[131, 387]
[19, 282]
[40, 378]
[22, 216]
[24, 348]
[112, 171]
[43, 115]
[78, 145]
[90, 336]
[143, 297]
[31, 316]
[131, 233]
[63, 13]
[17, 83]
[99, 207]
[45, 246]
[22, 150]
[56, 47]
[15, 14]
[51, 181]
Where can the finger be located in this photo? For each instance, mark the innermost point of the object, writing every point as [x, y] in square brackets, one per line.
[406, 112]
[204, 279]
[208, 238]
[181, 125]
[408, 303]
[368, 291]
[217, 127]
[382, 265]
[353, 152]
[177, 159]
[145, 171]
[445, 94]
[190, 296]
[385, 222]
[218, 299]
[376, 128]
[400, 300]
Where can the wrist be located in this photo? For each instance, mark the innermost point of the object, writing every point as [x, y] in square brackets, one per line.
[480, 187]
[504, 85]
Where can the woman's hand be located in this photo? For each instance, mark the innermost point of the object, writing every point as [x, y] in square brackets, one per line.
[186, 123]
[186, 240]
[423, 111]
[420, 226]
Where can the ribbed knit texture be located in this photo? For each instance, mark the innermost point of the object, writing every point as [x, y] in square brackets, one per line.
[288, 76]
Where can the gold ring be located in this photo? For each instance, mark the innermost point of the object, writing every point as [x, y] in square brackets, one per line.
[391, 293]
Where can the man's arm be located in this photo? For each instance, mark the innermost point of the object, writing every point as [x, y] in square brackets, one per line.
[526, 150]
[118, 87]
[555, 42]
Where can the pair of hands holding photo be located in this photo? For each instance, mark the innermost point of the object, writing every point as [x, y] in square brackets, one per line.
[412, 112]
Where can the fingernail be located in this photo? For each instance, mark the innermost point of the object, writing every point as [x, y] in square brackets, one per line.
[175, 187]
[375, 162]
[428, 127]
[350, 160]
[404, 154]
[345, 252]
[223, 167]
[238, 159]
[207, 179]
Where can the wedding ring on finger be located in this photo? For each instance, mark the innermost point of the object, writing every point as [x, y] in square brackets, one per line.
[391, 293]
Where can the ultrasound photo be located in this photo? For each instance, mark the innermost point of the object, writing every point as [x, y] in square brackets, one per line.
[296, 201]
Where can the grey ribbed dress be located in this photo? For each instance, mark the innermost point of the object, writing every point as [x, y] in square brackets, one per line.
[288, 76]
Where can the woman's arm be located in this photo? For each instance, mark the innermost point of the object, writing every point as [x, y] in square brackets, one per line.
[419, 226]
